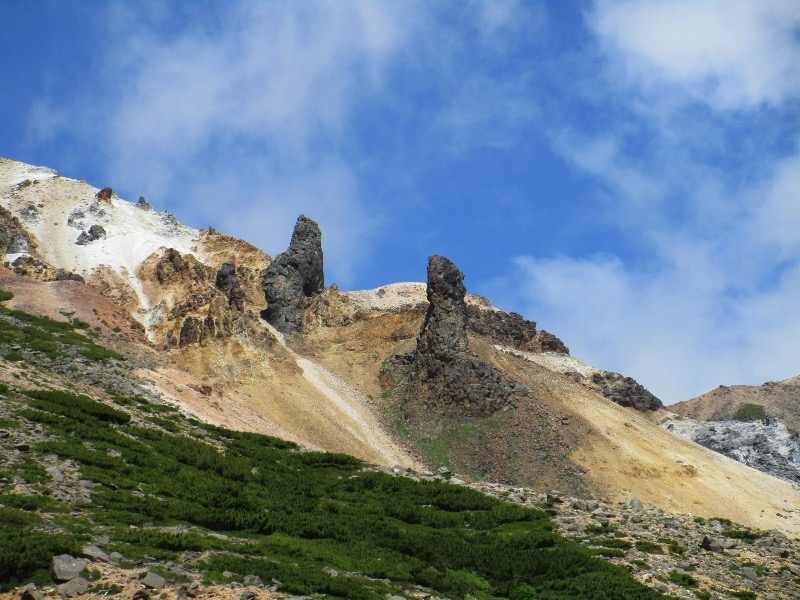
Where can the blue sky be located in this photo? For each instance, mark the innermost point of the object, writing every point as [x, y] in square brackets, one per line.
[627, 174]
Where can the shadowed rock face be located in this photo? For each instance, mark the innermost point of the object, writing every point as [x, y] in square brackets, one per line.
[294, 276]
[626, 391]
[228, 284]
[12, 235]
[445, 376]
[445, 328]
[511, 329]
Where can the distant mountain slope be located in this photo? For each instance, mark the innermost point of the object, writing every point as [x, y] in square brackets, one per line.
[756, 425]
[779, 399]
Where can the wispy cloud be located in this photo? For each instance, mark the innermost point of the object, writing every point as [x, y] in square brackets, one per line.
[728, 53]
[708, 197]
[266, 90]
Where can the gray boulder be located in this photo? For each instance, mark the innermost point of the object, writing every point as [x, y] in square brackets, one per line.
[154, 581]
[65, 567]
[30, 592]
[93, 552]
[55, 473]
[96, 232]
[252, 580]
[74, 587]
[293, 277]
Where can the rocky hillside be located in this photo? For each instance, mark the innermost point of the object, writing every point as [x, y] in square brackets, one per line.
[413, 375]
[779, 399]
[767, 446]
[118, 491]
[755, 425]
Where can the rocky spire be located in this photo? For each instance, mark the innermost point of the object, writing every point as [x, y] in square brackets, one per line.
[294, 276]
[445, 376]
[445, 328]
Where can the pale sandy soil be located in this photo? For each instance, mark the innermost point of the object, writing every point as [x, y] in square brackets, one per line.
[629, 455]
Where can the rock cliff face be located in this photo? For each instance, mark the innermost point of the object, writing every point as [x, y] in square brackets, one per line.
[228, 284]
[13, 238]
[767, 446]
[445, 376]
[511, 329]
[293, 277]
[626, 391]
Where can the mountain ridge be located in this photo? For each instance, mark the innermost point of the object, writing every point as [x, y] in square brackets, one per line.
[329, 387]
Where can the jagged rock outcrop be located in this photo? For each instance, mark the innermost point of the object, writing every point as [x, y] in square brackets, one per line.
[171, 265]
[547, 342]
[33, 268]
[293, 277]
[13, 238]
[96, 232]
[444, 375]
[626, 391]
[228, 284]
[104, 195]
[143, 204]
[511, 329]
[767, 446]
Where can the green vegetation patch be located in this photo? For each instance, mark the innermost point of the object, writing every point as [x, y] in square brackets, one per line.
[286, 513]
[47, 336]
[683, 579]
[299, 512]
[649, 547]
[750, 412]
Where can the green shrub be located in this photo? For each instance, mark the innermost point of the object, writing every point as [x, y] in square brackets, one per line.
[523, 592]
[5, 295]
[14, 356]
[303, 510]
[750, 412]
[683, 579]
[743, 594]
[649, 547]
[741, 534]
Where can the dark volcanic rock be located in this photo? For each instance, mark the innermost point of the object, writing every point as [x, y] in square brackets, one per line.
[293, 277]
[13, 238]
[547, 342]
[506, 328]
[511, 329]
[104, 195]
[191, 332]
[445, 328]
[170, 265]
[445, 376]
[228, 283]
[144, 204]
[626, 391]
[96, 232]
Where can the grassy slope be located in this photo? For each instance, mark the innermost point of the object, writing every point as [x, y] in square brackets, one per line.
[287, 514]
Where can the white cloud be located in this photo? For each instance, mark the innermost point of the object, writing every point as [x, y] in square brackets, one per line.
[240, 108]
[728, 53]
[674, 330]
[710, 199]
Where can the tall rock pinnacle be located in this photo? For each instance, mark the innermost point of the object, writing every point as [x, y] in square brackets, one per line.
[445, 376]
[445, 328]
[294, 276]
